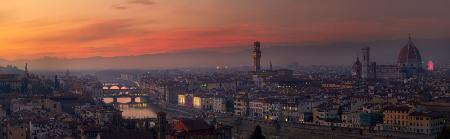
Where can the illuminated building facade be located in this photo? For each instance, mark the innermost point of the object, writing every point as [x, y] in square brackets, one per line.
[197, 102]
[187, 100]
[181, 100]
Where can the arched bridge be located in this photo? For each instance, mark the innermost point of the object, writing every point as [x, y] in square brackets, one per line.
[117, 93]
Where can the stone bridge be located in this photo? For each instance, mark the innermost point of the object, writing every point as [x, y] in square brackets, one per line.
[116, 91]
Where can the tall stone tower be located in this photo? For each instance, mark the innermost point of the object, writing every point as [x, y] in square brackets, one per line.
[365, 62]
[256, 54]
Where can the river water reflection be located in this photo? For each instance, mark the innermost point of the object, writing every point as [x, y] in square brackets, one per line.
[138, 110]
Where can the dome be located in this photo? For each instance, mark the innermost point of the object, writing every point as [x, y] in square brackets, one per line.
[409, 55]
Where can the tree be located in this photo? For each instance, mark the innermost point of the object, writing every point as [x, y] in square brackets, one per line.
[340, 111]
[444, 134]
[257, 134]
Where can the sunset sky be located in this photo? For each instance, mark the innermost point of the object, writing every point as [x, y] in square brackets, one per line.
[31, 29]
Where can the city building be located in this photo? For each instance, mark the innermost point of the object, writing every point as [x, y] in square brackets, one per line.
[220, 104]
[256, 108]
[17, 131]
[357, 69]
[409, 64]
[406, 119]
[20, 104]
[273, 109]
[290, 110]
[10, 83]
[187, 100]
[241, 106]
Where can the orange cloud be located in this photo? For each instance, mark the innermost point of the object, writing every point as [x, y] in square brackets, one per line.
[133, 37]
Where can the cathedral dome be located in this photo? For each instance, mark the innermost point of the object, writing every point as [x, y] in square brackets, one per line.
[409, 55]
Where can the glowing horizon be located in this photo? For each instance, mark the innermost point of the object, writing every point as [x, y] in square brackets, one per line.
[85, 28]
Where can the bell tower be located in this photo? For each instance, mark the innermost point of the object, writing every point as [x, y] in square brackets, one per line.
[256, 55]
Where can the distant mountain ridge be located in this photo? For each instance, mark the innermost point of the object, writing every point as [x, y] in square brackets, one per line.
[383, 52]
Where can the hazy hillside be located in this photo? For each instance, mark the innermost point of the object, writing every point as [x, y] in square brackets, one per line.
[383, 51]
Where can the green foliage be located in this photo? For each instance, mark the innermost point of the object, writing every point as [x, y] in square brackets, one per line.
[257, 134]
[340, 110]
[444, 134]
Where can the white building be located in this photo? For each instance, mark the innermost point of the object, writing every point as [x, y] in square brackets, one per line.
[219, 104]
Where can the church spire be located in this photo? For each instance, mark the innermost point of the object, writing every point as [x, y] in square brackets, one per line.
[270, 64]
[26, 70]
